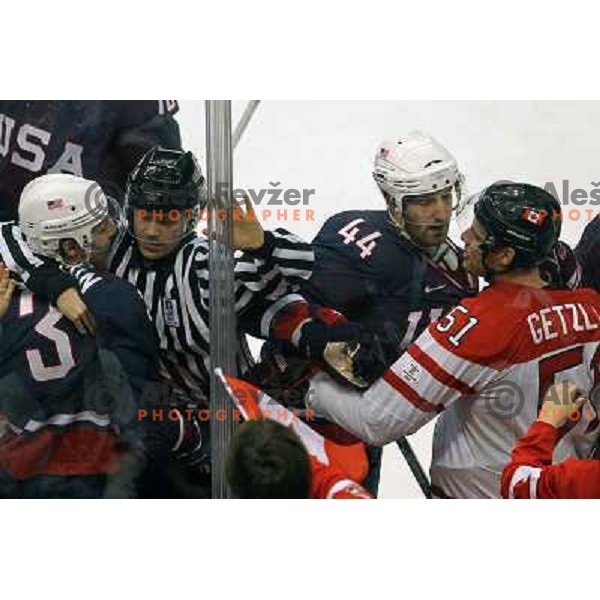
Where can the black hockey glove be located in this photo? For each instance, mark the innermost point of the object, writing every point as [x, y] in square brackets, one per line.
[374, 354]
[316, 334]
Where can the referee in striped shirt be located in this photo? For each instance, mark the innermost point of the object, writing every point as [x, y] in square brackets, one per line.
[163, 257]
[168, 263]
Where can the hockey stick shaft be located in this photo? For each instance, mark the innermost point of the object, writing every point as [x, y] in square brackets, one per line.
[242, 124]
[415, 466]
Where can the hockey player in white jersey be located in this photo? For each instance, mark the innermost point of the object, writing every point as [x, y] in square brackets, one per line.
[485, 365]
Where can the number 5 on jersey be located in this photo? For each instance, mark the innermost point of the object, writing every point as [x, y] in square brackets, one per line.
[46, 327]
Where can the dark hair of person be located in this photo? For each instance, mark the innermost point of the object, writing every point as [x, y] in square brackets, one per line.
[268, 460]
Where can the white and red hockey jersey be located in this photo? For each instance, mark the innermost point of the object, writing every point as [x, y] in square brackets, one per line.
[483, 368]
[531, 474]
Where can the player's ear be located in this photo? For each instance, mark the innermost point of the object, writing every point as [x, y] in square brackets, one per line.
[504, 257]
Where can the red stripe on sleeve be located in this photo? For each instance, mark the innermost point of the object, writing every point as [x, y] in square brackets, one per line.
[407, 392]
[440, 374]
[289, 320]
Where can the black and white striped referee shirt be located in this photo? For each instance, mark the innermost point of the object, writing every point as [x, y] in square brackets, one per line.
[176, 290]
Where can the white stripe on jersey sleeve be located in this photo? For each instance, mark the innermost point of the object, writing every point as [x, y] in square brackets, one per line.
[422, 382]
[340, 486]
[273, 310]
[14, 236]
[378, 416]
[122, 266]
[470, 373]
[405, 398]
[531, 474]
[307, 255]
[64, 420]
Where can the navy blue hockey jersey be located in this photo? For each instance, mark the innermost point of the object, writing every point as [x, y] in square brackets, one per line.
[101, 140]
[62, 393]
[374, 276]
[365, 269]
[588, 254]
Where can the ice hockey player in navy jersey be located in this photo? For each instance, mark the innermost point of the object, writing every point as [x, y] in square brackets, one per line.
[64, 398]
[395, 270]
[70, 401]
[101, 140]
[392, 270]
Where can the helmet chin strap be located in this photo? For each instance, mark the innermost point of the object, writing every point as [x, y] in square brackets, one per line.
[485, 248]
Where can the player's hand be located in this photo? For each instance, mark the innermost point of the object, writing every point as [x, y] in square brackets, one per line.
[74, 308]
[7, 287]
[316, 334]
[373, 355]
[248, 233]
[562, 404]
[338, 361]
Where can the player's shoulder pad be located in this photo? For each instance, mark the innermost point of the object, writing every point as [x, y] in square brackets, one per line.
[107, 294]
[369, 221]
[358, 234]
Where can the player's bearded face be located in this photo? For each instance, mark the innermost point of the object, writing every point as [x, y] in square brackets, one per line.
[158, 233]
[427, 218]
[472, 238]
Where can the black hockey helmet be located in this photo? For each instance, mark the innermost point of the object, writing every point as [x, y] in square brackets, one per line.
[166, 180]
[522, 216]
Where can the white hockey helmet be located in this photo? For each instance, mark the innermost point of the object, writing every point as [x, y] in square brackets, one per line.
[415, 165]
[60, 206]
